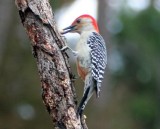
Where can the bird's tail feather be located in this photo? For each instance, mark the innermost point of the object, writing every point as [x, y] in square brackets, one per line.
[83, 102]
[91, 85]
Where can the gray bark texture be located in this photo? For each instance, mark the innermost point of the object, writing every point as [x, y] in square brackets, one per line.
[58, 92]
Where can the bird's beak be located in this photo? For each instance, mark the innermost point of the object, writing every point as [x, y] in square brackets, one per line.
[68, 29]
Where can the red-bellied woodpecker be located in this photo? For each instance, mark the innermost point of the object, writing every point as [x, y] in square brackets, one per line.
[91, 56]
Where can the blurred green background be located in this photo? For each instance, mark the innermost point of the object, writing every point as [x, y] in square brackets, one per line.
[130, 97]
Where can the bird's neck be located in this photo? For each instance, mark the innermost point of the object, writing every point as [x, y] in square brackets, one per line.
[87, 32]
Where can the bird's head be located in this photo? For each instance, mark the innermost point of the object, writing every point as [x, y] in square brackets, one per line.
[82, 23]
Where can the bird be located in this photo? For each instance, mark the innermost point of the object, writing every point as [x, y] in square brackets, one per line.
[91, 54]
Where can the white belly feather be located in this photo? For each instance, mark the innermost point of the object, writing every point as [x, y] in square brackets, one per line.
[83, 51]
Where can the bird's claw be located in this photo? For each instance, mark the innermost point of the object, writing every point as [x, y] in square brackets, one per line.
[64, 48]
[75, 53]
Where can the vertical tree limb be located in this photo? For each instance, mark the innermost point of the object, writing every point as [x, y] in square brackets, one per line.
[58, 92]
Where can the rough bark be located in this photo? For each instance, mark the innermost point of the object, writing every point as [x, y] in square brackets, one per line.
[58, 92]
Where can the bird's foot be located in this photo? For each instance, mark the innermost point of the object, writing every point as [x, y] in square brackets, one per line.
[75, 53]
[64, 48]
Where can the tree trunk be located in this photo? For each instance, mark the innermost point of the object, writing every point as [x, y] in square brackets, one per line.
[58, 92]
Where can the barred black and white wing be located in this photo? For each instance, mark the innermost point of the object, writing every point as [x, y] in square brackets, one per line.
[98, 58]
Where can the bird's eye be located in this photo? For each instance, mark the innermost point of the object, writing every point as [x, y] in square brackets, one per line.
[78, 21]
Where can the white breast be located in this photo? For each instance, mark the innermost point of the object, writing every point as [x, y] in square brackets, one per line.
[83, 50]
